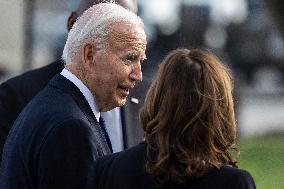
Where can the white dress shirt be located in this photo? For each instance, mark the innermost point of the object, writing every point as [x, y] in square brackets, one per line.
[112, 118]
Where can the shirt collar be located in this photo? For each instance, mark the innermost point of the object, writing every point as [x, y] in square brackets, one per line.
[84, 89]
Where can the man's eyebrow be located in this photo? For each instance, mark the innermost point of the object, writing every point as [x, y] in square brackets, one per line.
[144, 57]
[138, 54]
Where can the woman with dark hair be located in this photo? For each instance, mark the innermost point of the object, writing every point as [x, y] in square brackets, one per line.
[190, 131]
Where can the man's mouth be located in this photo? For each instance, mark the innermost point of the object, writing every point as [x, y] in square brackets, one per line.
[125, 90]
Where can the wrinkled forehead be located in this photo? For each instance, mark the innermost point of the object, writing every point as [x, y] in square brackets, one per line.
[126, 35]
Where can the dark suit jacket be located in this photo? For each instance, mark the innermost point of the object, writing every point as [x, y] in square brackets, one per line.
[54, 141]
[125, 170]
[18, 91]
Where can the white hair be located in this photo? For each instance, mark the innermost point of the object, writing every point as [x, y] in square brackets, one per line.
[94, 26]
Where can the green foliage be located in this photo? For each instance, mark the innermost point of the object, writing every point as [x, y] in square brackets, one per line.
[263, 157]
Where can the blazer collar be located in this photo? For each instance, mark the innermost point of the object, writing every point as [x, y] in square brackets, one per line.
[60, 82]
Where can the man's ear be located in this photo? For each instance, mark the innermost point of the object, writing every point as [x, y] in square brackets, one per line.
[71, 20]
[88, 56]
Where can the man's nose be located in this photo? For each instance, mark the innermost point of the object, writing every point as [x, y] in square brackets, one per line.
[136, 73]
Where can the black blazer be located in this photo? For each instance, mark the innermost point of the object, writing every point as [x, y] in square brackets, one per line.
[125, 170]
[16, 92]
[54, 141]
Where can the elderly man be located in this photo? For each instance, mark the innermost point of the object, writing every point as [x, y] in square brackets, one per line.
[57, 137]
[16, 92]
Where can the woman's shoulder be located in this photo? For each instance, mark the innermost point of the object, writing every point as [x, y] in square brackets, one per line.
[114, 170]
[235, 172]
[135, 153]
[232, 177]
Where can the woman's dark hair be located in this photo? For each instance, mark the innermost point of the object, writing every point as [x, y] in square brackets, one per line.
[188, 117]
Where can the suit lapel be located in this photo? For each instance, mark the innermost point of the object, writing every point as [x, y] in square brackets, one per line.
[60, 82]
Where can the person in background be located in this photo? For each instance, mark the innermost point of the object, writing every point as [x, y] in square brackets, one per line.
[190, 131]
[59, 134]
[16, 92]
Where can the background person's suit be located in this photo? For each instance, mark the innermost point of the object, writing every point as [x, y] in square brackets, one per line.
[54, 141]
[16, 92]
[133, 133]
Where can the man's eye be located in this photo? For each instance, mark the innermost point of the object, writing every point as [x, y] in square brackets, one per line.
[130, 57]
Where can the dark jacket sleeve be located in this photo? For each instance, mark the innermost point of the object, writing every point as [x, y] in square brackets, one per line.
[94, 181]
[67, 156]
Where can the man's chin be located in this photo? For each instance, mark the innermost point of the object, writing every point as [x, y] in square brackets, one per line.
[116, 103]
[122, 102]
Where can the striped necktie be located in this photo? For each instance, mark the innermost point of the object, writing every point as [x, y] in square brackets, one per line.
[103, 128]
